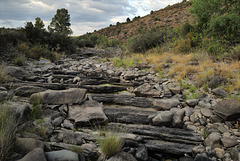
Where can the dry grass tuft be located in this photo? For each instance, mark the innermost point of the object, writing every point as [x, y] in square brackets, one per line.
[3, 76]
[110, 143]
[8, 129]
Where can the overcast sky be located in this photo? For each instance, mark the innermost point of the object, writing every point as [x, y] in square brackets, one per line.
[85, 15]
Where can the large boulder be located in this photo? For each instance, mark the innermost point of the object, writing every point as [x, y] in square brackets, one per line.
[89, 113]
[15, 72]
[57, 97]
[36, 155]
[163, 118]
[213, 140]
[166, 104]
[219, 92]
[142, 153]
[70, 137]
[217, 81]
[229, 142]
[26, 145]
[228, 109]
[147, 90]
[178, 118]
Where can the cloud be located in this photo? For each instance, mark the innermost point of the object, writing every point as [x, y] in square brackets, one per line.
[85, 15]
[158, 4]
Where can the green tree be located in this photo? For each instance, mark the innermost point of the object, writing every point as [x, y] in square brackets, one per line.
[128, 19]
[61, 22]
[219, 18]
[39, 23]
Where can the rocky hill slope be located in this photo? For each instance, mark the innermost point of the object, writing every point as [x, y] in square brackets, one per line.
[170, 17]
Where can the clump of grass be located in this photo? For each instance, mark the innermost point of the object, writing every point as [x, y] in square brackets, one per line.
[110, 143]
[8, 129]
[204, 133]
[36, 108]
[3, 76]
[204, 76]
[182, 46]
[77, 149]
[20, 60]
[125, 63]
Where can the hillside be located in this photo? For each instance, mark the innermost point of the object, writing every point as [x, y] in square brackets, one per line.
[171, 16]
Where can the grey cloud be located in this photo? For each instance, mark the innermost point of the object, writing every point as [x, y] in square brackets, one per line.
[99, 13]
[83, 10]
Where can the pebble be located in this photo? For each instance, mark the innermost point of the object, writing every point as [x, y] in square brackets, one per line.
[219, 152]
[192, 127]
[206, 112]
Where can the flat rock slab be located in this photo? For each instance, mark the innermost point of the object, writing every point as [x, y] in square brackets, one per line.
[89, 113]
[102, 89]
[26, 91]
[169, 147]
[128, 114]
[52, 86]
[57, 97]
[228, 109]
[128, 100]
[161, 133]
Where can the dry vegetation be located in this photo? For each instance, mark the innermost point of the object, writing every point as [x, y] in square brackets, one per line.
[197, 67]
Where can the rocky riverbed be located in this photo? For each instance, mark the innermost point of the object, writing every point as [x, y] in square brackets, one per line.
[80, 95]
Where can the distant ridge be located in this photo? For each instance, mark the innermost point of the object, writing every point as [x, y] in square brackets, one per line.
[170, 17]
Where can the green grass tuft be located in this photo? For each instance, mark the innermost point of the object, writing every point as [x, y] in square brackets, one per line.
[36, 108]
[110, 143]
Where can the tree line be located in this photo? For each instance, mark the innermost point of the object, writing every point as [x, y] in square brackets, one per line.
[35, 41]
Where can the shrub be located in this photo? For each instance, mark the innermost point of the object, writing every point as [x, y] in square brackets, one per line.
[186, 28]
[218, 18]
[212, 46]
[8, 129]
[145, 41]
[37, 51]
[92, 40]
[23, 48]
[182, 46]
[110, 144]
[234, 54]
[20, 60]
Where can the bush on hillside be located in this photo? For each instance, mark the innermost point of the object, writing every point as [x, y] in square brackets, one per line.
[218, 18]
[10, 37]
[92, 40]
[182, 46]
[186, 28]
[145, 41]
